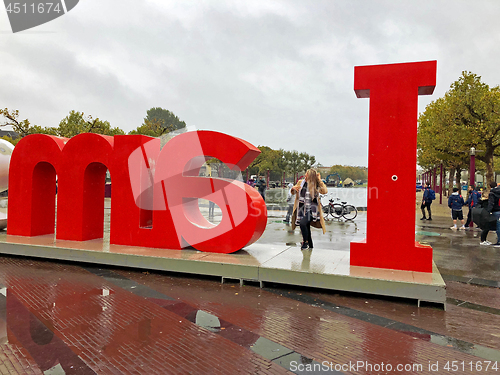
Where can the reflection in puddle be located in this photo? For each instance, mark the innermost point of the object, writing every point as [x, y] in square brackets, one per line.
[207, 321]
[49, 351]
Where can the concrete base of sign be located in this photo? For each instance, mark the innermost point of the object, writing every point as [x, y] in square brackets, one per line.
[260, 262]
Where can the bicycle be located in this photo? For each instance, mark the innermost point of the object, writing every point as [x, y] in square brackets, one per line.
[338, 210]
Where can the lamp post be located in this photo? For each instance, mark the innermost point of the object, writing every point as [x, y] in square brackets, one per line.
[441, 183]
[472, 167]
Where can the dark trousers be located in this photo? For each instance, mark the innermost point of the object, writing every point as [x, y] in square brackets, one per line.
[305, 228]
[484, 233]
[469, 218]
[423, 206]
[289, 213]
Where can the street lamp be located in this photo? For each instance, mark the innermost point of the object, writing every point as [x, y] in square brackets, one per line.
[472, 168]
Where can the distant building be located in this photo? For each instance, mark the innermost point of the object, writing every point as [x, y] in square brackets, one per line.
[9, 132]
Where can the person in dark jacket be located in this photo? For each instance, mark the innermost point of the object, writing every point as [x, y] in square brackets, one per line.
[426, 202]
[494, 207]
[262, 186]
[456, 202]
[483, 219]
[472, 202]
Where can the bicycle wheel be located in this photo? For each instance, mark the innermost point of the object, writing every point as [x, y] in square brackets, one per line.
[336, 210]
[350, 212]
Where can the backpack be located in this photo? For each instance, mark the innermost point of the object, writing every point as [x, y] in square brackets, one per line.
[432, 194]
[475, 196]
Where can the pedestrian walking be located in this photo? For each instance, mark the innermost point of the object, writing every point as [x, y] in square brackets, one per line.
[307, 206]
[261, 187]
[428, 196]
[456, 202]
[472, 201]
[290, 201]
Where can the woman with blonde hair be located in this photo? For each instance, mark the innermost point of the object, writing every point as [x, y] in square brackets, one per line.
[307, 208]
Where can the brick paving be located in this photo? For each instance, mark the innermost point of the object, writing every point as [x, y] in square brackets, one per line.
[317, 333]
[63, 315]
[115, 332]
[464, 324]
[474, 293]
[15, 360]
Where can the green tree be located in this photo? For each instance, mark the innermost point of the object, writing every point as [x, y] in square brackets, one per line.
[293, 161]
[354, 173]
[467, 116]
[22, 127]
[77, 123]
[153, 128]
[268, 159]
[159, 121]
[281, 164]
[296, 162]
[307, 160]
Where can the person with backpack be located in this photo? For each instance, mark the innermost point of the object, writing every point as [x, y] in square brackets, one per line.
[427, 198]
[472, 202]
[456, 202]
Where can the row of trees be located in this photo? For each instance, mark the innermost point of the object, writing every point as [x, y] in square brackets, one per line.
[467, 116]
[354, 173]
[158, 121]
[279, 162]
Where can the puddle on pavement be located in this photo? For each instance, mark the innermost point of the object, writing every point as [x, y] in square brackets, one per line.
[430, 234]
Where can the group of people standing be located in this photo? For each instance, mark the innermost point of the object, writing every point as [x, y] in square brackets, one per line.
[488, 215]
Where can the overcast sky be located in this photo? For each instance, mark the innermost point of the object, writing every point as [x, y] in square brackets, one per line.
[275, 73]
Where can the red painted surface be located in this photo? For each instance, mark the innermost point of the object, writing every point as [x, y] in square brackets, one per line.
[155, 193]
[32, 185]
[393, 91]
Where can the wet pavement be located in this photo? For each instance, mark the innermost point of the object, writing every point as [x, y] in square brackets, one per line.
[69, 318]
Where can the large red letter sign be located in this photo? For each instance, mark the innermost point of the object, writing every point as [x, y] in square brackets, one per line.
[155, 193]
[393, 91]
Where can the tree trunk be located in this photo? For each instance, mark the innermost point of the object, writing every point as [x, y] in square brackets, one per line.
[489, 168]
[458, 176]
[450, 184]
